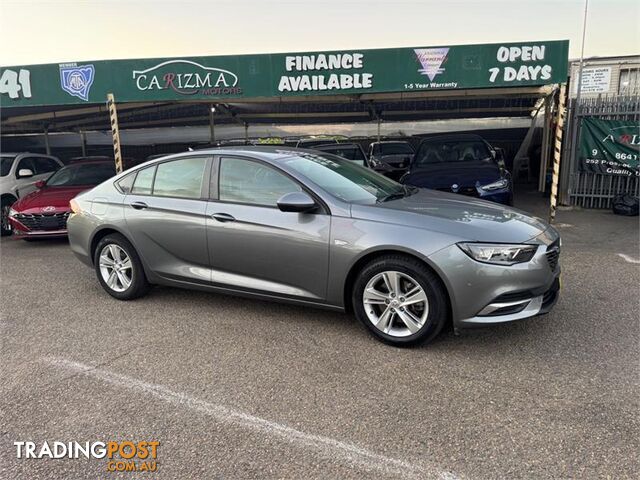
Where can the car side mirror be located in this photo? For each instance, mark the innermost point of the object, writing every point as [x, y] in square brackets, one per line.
[25, 173]
[493, 154]
[40, 184]
[299, 202]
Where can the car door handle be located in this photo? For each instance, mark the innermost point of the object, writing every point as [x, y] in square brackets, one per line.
[223, 217]
[139, 205]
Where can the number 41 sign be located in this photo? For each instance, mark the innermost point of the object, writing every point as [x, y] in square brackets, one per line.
[16, 84]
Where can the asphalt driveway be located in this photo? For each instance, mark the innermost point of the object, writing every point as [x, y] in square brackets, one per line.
[235, 388]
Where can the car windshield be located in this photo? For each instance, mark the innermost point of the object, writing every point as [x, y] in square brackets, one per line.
[5, 164]
[315, 143]
[86, 174]
[345, 179]
[350, 152]
[393, 148]
[445, 151]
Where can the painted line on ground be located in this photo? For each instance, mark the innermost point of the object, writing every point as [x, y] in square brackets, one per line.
[628, 258]
[326, 446]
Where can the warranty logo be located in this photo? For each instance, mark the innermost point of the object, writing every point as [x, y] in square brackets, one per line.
[431, 60]
[76, 80]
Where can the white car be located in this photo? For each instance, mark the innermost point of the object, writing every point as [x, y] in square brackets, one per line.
[19, 173]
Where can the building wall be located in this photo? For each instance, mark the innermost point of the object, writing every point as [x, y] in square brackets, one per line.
[626, 67]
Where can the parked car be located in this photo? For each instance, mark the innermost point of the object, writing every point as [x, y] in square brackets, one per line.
[44, 213]
[19, 172]
[317, 230]
[391, 157]
[350, 151]
[460, 163]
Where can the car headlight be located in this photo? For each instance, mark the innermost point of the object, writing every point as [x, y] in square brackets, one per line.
[499, 185]
[499, 254]
[12, 212]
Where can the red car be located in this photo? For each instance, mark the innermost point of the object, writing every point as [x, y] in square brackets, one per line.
[44, 212]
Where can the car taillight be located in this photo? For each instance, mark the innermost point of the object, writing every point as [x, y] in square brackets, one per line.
[75, 208]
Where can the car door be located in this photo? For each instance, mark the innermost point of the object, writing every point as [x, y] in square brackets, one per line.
[25, 185]
[165, 214]
[252, 244]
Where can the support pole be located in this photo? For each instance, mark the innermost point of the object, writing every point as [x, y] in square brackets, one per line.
[47, 145]
[378, 128]
[246, 133]
[115, 131]
[212, 124]
[83, 143]
[557, 151]
[546, 145]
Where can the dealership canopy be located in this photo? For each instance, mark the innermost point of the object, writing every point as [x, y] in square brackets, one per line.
[348, 86]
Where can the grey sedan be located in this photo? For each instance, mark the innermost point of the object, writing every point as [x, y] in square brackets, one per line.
[314, 229]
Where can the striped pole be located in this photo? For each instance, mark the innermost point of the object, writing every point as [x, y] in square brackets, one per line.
[115, 131]
[557, 151]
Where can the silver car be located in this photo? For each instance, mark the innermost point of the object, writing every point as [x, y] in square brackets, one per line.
[314, 229]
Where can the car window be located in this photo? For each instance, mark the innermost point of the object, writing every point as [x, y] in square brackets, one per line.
[5, 165]
[144, 181]
[399, 148]
[82, 174]
[180, 178]
[25, 163]
[125, 183]
[445, 151]
[44, 165]
[350, 152]
[345, 179]
[246, 181]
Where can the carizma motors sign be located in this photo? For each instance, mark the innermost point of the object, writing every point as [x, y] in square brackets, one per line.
[186, 77]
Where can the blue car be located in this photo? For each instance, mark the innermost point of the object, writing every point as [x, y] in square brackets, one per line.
[460, 163]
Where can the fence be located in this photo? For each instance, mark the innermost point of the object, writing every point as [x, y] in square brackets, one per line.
[588, 189]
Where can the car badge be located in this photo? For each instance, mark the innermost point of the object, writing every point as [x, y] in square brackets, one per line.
[49, 209]
[455, 187]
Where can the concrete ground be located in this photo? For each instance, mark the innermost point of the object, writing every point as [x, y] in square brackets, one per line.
[235, 388]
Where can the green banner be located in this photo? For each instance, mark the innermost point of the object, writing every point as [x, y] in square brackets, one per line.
[223, 78]
[611, 147]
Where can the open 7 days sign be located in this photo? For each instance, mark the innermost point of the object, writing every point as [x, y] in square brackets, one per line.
[287, 74]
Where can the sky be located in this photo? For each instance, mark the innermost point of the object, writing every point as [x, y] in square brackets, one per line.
[76, 30]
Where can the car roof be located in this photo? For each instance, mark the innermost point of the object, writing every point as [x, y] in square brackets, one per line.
[390, 141]
[90, 162]
[336, 145]
[453, 136]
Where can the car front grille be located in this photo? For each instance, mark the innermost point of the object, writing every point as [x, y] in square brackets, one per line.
[43, 222]
[553, 255]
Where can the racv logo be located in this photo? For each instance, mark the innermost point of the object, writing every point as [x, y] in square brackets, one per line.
[186, 77]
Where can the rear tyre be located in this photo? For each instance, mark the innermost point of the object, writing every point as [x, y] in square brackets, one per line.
[400, 301]
[119, 269]
[5, 228]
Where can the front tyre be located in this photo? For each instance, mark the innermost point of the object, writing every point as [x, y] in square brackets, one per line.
[5, 228]
[119, 268]
[400, 300]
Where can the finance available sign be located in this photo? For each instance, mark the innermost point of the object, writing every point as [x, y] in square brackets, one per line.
[610, 147]
[218, 78]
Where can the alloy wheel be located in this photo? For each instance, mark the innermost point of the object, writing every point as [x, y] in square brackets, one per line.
[395, 303]
[115, 267]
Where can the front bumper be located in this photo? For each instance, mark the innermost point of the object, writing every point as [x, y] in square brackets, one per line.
[484, 294]
[39, 225]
